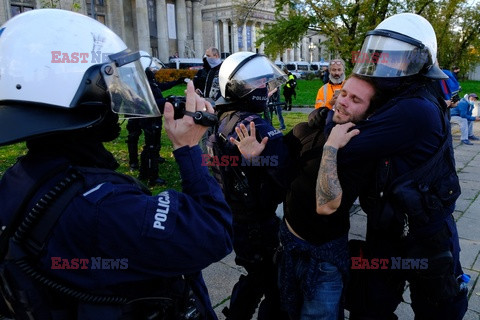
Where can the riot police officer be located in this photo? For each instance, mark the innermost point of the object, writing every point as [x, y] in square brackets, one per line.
[403, 168]
[253, 187]
[80, 241]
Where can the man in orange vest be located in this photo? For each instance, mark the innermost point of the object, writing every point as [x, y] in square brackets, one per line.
[325, 94]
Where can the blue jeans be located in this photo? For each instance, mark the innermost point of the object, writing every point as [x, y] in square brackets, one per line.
[280, 117]
[325, 302]
[311, 287]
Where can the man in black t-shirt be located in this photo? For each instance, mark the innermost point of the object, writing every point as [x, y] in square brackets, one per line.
[314, 262]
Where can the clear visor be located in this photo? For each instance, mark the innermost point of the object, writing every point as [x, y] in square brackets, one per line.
[259, 72]
[127, 84]
[386, 57]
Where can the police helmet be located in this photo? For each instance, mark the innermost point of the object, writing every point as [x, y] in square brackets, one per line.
[150, 62]
[243, 72]
[61, 71]
[402, 45]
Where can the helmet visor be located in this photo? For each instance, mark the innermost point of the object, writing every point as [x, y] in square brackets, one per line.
[387, 57]
[127, 84]
[258, 72]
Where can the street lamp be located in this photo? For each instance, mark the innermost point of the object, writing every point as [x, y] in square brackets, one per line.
[311, 46]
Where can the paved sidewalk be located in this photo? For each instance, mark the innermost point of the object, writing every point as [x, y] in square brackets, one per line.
[220, 277]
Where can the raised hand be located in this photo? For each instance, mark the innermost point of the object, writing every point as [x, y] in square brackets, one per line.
[247, 142]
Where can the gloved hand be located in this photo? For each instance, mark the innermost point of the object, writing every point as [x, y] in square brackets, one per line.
[316, 118]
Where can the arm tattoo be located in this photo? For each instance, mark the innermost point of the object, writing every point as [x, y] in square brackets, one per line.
[328, 185]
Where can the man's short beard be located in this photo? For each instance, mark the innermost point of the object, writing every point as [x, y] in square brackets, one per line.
[336, 81]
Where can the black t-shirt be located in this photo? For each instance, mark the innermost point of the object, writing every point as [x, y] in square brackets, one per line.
[306, 146]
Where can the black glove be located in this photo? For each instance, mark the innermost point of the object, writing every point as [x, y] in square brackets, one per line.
[316, 118]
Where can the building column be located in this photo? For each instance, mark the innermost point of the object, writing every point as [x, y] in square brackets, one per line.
[162, 31]
[254, 37]
[216, 34]
[296, 53]
[115, 11]
[262, 45]
[197, 29]
[181, 16]
[141, 17]
[305, 51]
[226, 40]
[244, 37]
[235, 37]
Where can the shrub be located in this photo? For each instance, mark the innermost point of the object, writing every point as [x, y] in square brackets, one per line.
[166, 75]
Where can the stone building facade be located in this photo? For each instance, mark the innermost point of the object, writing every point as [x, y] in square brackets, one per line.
[183, 27]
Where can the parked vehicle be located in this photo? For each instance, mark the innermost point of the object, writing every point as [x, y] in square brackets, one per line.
[316, 66]
[186, 63]
[300, 69]
[280, 64]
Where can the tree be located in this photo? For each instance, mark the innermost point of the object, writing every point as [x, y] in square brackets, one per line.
[345, 22]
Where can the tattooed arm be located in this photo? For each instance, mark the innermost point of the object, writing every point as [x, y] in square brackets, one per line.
[329, 190]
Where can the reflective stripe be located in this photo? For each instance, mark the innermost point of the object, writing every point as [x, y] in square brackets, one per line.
[93, 189]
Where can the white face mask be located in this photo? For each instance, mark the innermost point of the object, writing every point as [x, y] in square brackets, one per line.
[472, 102]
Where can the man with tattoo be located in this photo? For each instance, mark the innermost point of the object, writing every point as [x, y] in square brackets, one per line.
[401, 165]
[314, 262]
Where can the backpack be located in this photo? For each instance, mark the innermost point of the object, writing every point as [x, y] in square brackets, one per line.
[450, 86]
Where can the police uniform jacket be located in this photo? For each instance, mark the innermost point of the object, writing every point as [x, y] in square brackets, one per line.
[125, 235]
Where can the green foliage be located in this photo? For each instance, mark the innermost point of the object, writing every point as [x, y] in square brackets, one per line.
[166, 75]
[344, 24]
[50, 3]
[76, 6]
[470, 87]
[277, 37]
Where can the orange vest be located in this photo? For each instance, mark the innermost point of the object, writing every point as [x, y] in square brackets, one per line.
[325, 95]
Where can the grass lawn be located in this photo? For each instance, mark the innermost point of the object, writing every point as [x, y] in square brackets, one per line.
[306, 93]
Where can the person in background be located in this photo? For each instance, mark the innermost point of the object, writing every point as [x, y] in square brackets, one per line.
[289, 90]
[275, 106]
[328, 91]
[462, 115]
[150, 157]
[456, 72]
[212, 88]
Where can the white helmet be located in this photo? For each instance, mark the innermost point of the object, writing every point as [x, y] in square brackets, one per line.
[402, 45]
[243, 72]
[58, 71]
[148, 61]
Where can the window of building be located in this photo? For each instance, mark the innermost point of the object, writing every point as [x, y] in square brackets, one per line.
[17, 8]
[101, 18]
[96, 9]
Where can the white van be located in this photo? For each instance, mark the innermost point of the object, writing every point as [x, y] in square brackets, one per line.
[316, 66]
[280, 64]
[186, 63]
[300, 69]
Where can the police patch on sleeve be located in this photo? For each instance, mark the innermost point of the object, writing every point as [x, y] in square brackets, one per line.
[161, 216]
